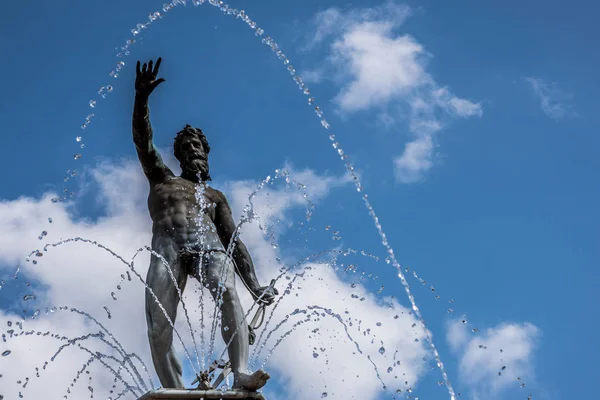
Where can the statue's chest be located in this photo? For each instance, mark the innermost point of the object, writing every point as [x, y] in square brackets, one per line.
[181, 193]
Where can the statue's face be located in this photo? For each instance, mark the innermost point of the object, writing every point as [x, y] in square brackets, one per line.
[193, 155]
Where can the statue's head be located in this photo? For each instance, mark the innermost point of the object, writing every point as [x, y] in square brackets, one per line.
[191, 149]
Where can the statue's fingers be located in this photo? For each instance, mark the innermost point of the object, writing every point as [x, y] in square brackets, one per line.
[144, 68]
[137, 68]
[150, 66]
[157, 82]
[157, 66]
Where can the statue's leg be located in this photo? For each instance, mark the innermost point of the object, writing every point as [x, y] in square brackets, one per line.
[160, 332]
[219, 267]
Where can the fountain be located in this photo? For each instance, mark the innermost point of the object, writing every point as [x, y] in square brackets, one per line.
[270, 322]
[130, 369]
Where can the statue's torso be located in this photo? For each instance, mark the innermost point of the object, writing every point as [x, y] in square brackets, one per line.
[175, 213]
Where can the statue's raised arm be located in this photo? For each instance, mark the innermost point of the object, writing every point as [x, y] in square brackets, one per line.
[145, 82]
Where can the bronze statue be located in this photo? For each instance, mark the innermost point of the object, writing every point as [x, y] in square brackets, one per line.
[191, 229]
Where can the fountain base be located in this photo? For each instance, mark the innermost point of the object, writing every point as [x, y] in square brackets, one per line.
[194, 394]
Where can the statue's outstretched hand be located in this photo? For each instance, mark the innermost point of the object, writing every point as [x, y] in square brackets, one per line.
[145, 78]
[269, 294]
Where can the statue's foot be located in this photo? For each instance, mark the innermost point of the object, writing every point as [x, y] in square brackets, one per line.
[250, 382]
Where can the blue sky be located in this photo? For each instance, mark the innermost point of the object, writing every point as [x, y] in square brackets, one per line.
[470, 126]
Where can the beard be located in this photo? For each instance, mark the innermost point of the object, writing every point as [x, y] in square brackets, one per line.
[197, 166]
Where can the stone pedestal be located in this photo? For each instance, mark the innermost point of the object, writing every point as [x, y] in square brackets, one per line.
[193, 394]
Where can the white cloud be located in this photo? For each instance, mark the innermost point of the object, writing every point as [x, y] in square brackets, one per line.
[555, 103]
[83, 276]
[415, 160]
[494, 359]
[339, 370]
[456, 106]
[380, 69]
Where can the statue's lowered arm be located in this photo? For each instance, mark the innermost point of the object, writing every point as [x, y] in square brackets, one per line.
[244, 265]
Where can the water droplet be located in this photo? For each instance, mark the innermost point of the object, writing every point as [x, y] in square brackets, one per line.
[226, 328]
[315, 354]
[29, 297]
[50, 220]
[113, 295]
[381, 350]
[323, 395]
[5, 353]
[78, 139]
[76, 156]
[153, 16]
[92, 103]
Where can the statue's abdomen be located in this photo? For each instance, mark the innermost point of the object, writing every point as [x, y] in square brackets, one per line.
[175, 214]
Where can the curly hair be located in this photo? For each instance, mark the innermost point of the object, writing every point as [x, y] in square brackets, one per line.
[189, 131]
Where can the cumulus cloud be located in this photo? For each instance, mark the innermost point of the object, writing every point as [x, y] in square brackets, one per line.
[86, 277]
[494, 359]
[415, 160]
[325, 357]
[380, 69]
[555, 102]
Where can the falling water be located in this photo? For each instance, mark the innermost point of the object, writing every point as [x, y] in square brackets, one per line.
[248, 216]
[240, 14]
[269, 41]
[97, 355]
[258, 345]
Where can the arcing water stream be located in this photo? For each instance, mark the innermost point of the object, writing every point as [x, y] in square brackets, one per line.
[127, 372]
[135, 383]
